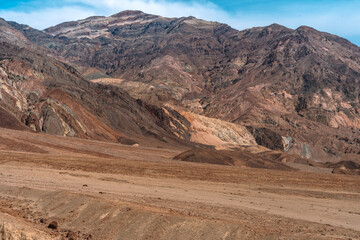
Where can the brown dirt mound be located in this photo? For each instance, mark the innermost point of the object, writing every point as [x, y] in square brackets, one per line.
[347, 164]
[232, 158]
[345, 167]
[205, 156]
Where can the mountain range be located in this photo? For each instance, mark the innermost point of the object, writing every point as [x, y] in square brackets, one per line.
[136, 78]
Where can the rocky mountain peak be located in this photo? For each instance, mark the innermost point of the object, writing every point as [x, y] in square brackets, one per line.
[99, 26]
[305, 28]
[128, 13]
[277, 27]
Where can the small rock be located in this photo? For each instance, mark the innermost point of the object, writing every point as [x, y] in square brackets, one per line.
[53, 225]
[71, 235]
[85, 185]
[42, 220]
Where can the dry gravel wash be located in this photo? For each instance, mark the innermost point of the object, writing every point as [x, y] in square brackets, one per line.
[108, 197]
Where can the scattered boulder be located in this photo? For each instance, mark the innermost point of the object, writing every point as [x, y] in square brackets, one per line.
[53, 225]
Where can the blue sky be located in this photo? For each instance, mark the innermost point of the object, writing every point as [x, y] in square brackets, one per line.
[340, 17]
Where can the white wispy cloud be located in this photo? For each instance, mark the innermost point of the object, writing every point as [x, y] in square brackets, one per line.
[46, 17]
[205, 10]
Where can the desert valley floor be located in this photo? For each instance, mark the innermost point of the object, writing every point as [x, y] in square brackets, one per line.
[98, 190]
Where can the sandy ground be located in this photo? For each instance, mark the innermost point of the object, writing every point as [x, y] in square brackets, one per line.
[140, 193]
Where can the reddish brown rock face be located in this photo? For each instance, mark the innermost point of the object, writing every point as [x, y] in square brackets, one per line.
[50, 96]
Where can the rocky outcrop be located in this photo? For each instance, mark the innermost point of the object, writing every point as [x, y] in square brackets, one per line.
[267, 138]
